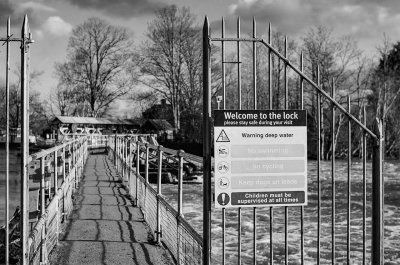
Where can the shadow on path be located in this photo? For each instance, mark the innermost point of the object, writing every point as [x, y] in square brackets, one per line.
[104, 227]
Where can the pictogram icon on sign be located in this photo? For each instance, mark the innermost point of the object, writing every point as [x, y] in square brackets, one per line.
[223, 183]
[223, 151]
[223, 199]
[223, 167]
[222, 137]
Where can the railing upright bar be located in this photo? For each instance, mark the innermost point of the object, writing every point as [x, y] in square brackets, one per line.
[24, 144]
[159, 193]
[137, 172]
[333, 172]
[349, 154]
[115, 150]
[223, 63]
[319, 168]
[270, 106]
[364, 159]
[255, 107]
[55, 174]
[206, 251]
[7, 192]
[286, 107]
[223, 107]
[42, 207]
[239, 73]
[270, 67]
[301, 207]
[180, 182]
[146, 173]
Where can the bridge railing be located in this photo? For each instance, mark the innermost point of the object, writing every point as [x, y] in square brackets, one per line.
[141, 164]
[54, 175]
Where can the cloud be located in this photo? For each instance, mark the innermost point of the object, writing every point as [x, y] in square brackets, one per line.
[55, 25]
[125, 8]
[36, 6]
[16, 12]
[366, 20]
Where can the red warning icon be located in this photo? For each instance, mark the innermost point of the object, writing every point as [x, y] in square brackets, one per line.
[222, 138]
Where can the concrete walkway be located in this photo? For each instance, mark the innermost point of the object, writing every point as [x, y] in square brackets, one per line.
[104, 227]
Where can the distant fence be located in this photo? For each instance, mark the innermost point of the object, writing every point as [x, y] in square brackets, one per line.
[134, 160]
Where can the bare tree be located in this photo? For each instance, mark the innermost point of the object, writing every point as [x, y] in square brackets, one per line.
[170, 35]
[97, 60]
[337, 59]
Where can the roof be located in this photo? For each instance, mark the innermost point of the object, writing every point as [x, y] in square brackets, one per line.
[98, 121]
[160, 124]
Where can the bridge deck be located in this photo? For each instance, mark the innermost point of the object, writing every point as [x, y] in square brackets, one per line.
[104, 227]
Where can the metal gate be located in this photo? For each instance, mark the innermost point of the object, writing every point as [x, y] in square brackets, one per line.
[25, 40]
[288, 234]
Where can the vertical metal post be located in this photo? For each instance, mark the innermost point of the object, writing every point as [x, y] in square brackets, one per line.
[180, 182]
[180, 201]
[255, 63]
[271, 209]
[301, 207]
[137, 171]
[239, 70]
[146, 173]
[7, 194]
[255, 107]
[42, 206]
[24, 145]
[364, 155]
[319, 167]
[55, 174]
[115, 149]
[223, 107]
[63, 159]
[377, 196]
[364, 158]
[349, 153]
[223, 67]
[270, 67]
[286, 107]
[333, 168]
[206, 145]
[159, 193]
[239, 107]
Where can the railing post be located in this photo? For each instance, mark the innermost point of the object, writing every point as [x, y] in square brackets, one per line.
[74, 163]
[146, 172]
[55, 173]
[180, 182]
[377, 197]
[206, 144]
[180, 202]
[159, 194]
[137, 171]
[129, 164]
[126, 141]
[115, 150]
[42, 208]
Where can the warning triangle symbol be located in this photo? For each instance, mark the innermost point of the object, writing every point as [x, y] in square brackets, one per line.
[222, 137]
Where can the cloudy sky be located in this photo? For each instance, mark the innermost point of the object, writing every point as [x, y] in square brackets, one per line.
[51, 21]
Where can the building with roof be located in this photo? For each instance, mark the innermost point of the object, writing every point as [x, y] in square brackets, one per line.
[67, 125]
[161, 127]
[63, 126]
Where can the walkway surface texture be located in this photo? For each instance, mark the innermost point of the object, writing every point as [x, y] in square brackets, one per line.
[104, 227]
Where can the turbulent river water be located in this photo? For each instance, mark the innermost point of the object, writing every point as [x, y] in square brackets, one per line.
[193, 209]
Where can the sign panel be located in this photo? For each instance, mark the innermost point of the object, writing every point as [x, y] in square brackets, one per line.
[260, 158]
